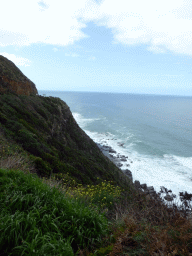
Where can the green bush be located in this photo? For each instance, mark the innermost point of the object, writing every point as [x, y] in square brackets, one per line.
[43, 167]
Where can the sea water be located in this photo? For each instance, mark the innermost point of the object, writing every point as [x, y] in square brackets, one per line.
[154, 131]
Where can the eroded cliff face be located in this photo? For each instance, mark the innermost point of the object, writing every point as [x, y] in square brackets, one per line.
[12, 80]
[20, 88]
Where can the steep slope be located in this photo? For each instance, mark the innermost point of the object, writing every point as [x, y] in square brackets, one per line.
[12, 80]
[46, 129]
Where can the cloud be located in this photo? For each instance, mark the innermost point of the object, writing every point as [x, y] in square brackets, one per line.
[57, 24]
[18, 61]
[157, 24]
[160, 25]
[72, 55]
[156, 49]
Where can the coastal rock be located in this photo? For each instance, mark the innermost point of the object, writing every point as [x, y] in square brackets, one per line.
[151, 193]
[121, 144]
[129, 174]
[151, 188]
[12, 80]
[112, 150]
[137, 184]
[123, 159]
[144, 186]
[168, 198]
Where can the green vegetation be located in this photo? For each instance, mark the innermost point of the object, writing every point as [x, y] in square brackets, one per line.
[45, 128]
[51, 217]
[59, 195]
[38, 220]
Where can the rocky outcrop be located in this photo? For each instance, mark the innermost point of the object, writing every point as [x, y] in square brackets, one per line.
[12, 80]
[150, 192]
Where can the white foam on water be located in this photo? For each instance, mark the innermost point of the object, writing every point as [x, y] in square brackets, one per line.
[170, 171]
[82, 122]
[185, 161]
[163, 171]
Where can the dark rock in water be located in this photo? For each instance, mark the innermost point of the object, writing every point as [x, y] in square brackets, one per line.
[150, 193]
[185, 196]
[127, 171]
[121, 144]
[123, 159]
[119, 165]
[128, 165]
[168, 198]
[12, 80]
[112, 150]
[164, 190]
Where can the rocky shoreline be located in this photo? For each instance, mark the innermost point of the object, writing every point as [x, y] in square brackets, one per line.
[149, 191]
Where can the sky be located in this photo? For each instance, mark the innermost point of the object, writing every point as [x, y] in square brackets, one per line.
[113, 46]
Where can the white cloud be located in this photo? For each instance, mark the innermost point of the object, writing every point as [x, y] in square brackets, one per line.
[18, 61]
[158, 24]
[57, 24]
[72, 55]
[156, 49]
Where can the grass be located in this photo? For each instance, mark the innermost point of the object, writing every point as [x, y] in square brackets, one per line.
[39, 220]
[52, 217]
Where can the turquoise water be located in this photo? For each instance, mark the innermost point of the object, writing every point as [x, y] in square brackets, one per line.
[156, 132]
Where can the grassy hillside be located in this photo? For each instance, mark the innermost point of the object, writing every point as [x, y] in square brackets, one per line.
[45, 128]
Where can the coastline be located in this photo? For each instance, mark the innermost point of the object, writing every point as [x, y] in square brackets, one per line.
[165, 195]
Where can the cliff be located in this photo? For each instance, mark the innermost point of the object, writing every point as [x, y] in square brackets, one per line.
[12, 80]
[47, 132]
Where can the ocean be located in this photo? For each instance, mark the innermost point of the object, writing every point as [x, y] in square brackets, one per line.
[153, 131]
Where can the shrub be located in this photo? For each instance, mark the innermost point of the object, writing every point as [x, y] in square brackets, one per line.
[43, 167]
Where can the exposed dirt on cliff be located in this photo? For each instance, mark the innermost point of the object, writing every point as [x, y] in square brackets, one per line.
[12, 80]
